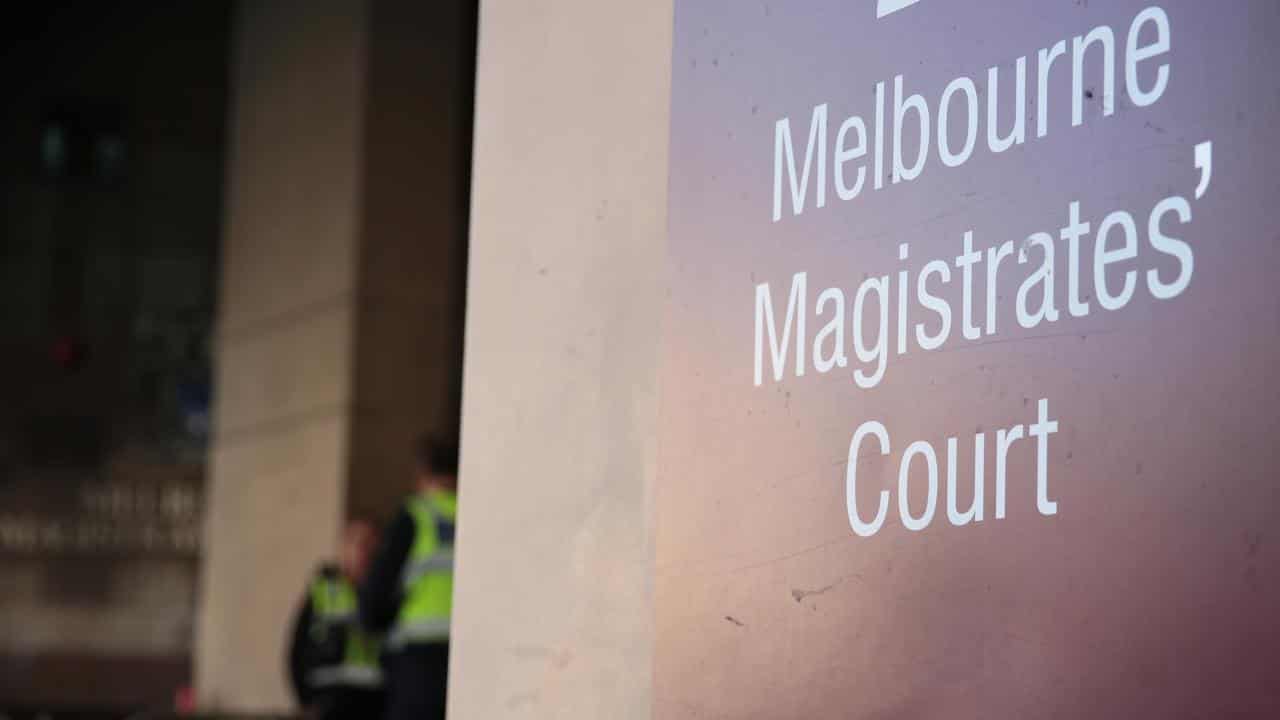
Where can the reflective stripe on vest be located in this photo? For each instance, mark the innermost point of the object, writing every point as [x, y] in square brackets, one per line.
[337, 618]
[427, 577]
[347, 674]
[440, 561]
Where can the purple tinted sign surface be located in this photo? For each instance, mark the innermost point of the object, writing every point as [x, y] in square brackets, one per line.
[970, 400]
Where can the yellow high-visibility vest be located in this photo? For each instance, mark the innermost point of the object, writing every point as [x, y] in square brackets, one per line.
[333, 608]
[427, 577]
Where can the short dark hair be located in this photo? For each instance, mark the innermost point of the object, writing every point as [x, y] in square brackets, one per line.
[437, 456]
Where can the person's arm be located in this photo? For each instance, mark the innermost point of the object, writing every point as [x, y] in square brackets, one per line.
[380, 593]
[301, 638]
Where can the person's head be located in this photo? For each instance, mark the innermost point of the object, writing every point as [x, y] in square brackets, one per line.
[436, 464]
[359, 538]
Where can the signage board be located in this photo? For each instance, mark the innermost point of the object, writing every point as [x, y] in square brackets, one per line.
[971, 376]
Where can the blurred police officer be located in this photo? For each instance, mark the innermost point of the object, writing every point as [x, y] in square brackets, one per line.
[333, 661]
[409, 589]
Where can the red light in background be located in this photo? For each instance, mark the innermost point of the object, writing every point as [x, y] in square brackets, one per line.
[70, 354]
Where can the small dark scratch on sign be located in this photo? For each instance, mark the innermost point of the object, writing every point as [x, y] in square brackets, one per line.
[735, 621]
[799, 594]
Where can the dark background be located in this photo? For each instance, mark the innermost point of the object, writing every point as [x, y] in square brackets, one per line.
[112, 138]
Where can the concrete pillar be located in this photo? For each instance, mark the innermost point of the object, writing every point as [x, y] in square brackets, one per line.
[553, 610]
[339, 320]
[287, 308]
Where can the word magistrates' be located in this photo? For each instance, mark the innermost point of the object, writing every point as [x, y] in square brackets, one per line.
[1117, 240]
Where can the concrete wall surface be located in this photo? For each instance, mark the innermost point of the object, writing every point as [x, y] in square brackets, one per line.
[553, 599]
